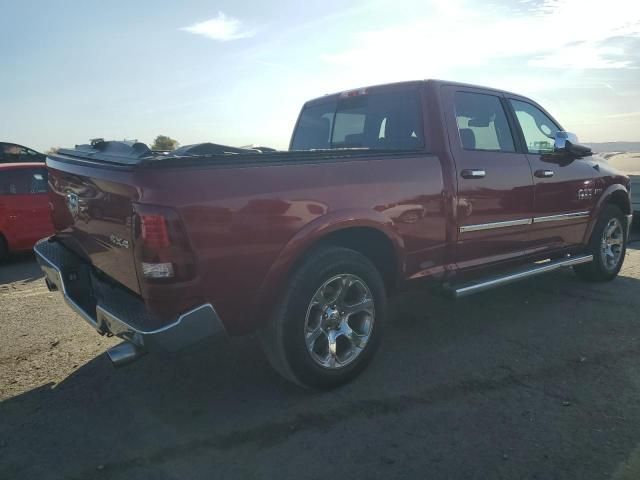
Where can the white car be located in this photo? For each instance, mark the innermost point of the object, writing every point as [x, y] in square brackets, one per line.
[629, 163]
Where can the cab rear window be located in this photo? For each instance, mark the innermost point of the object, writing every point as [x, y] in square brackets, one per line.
[375, 121]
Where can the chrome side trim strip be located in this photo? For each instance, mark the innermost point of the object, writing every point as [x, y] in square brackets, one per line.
[479, 286]
[525, 221]
[561, 217]
[489, 226]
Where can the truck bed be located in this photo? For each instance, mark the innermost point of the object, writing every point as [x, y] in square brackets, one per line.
[238, 217]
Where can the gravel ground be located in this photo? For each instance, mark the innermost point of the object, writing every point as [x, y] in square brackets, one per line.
[537, 380]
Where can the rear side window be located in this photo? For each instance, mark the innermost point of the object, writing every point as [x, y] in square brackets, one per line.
[376, 121]
[23, 181]
[14, 182]
[482, 123]
[10, 152]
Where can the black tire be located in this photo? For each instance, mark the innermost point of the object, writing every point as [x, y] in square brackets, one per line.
[284, 340]
[599, 270]
[4, 249]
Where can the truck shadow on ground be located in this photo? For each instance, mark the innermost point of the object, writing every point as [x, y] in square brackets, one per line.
[19, 267]
[435, 350]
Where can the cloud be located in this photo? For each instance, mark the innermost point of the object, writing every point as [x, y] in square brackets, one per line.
[623, 115]
[571, 34]
[584, 56]
[221, 28]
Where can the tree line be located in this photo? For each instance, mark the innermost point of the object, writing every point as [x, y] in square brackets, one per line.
[161, 142]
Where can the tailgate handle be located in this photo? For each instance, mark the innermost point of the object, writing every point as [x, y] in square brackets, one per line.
[473, 173]
[544, 173]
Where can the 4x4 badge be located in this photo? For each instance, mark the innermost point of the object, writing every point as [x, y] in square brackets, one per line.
[118, 241]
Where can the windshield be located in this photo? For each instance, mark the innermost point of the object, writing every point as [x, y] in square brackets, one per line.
[376, 121]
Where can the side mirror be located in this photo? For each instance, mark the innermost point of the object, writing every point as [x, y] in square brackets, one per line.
[566, 143]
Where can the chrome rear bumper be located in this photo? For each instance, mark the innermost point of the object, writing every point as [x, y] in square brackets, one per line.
[116, 311]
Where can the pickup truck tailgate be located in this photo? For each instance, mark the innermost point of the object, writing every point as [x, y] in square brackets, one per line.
[93, 216]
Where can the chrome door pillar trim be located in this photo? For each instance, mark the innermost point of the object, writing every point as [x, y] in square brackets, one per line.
[489, 226]
[561, 217]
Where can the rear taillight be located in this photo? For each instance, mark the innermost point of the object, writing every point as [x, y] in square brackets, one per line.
[161, 247]
[154, 231]
[157, 270]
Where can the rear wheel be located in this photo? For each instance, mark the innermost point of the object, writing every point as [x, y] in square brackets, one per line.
[4, 249]
[608, 245]
[328, 324]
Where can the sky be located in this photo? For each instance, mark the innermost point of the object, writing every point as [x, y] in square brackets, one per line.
[237, 72]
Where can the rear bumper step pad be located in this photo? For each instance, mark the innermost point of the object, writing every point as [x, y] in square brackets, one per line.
[116, 311]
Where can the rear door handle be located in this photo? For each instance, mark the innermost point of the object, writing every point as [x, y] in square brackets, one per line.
[473, 173]
[544, 173]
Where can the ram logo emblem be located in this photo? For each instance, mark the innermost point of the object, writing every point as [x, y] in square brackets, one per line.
[73, 204]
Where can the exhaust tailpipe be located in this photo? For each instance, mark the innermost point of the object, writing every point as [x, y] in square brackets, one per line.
[124, 353]
[50, 285]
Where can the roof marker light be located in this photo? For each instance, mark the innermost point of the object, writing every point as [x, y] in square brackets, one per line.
[353, 93]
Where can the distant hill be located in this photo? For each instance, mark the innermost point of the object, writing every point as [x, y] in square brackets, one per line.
[614, 146]
[629, 163]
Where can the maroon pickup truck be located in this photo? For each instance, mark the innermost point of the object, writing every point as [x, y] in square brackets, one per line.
[414, 183]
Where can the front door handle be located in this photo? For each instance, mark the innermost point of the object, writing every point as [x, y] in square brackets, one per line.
[473, 173]
[544, 173]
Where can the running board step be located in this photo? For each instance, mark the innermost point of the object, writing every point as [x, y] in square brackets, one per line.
[480, 285]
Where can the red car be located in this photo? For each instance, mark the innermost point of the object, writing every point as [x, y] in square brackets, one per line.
[384, 188]
[25, 216]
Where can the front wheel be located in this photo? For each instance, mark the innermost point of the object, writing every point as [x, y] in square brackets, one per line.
[329, 322]
[608, 245]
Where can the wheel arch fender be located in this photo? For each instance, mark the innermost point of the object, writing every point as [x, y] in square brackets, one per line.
[311, 236]
[615, 194]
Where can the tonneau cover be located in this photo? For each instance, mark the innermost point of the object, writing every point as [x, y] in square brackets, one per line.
[134, 152]
[127, 153]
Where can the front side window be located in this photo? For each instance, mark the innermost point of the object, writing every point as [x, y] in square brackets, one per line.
[482, 123]
[30, 155]
[375, 121]
[538, 129]
[38, 181]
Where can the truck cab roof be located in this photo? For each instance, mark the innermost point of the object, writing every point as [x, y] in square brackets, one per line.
[432, 83]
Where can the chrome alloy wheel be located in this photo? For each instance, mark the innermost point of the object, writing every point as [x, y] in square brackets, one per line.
[339, 321]
[612, 244]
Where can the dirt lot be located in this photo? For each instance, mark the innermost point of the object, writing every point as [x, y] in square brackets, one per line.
[539, 380]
